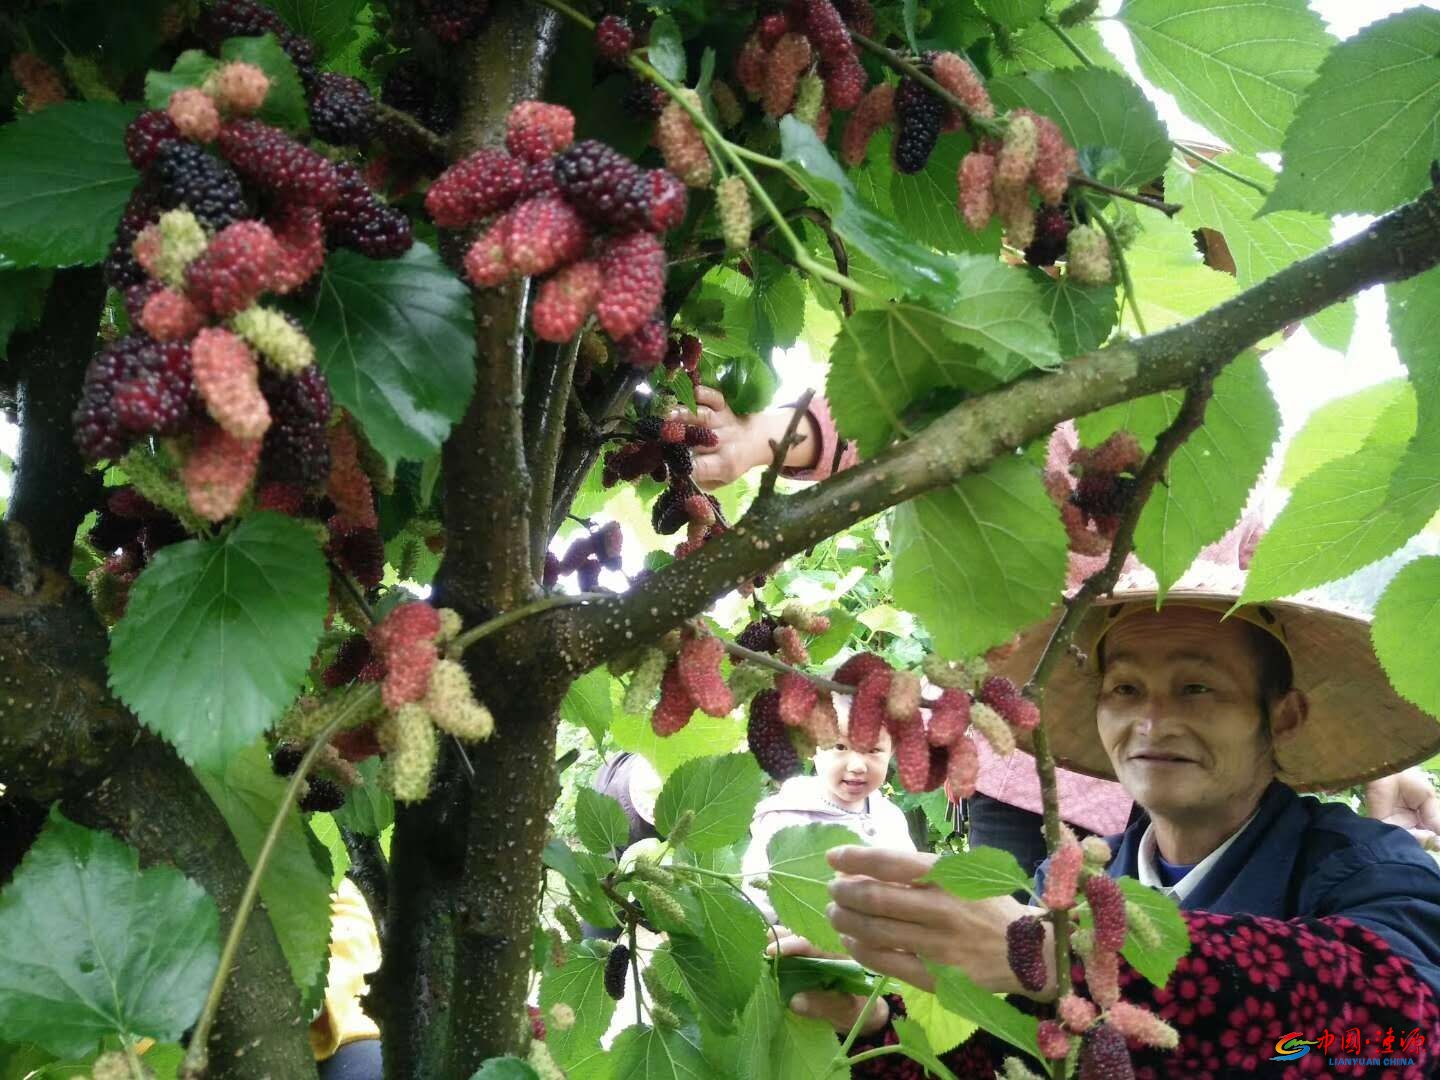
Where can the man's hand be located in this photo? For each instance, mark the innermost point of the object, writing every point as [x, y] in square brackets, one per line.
[744, 441]
[889, 922]
[1407, 799]
[836, 1008]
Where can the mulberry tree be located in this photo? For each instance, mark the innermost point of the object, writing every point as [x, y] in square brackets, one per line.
[345, 342]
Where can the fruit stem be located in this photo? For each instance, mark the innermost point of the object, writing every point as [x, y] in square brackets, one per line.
[570, 13]
[985, 125]
[768, 661]
[1068, 41]
[1167, 208]
[854, 1033]
[1211, 163]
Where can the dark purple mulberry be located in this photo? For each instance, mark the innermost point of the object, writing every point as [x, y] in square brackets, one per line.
[1025, 951]
[361, 220]
[187, 176]
[1052, 229]
[616, 965]
[342, 111]
[604, 185]
[147, 134]
[135, 387]
[759, 636]
[322, 795]
[295, 449]
[769, 738]
[918, 116]
[291, 174]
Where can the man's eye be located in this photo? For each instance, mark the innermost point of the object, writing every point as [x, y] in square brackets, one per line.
[1196, 688]
[1124, 689]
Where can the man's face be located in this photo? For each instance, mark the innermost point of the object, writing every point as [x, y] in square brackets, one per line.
[1179, 712]
[850, 773]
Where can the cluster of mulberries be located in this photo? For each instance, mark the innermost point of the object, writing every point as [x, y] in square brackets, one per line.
[581, 216]
[453, 21]
[598, 549]
[1093, 490]
[919, 115]
[128, 531]
[691, 680]
[229, 380]
[683, 353]
[996, 180]
[802, 60]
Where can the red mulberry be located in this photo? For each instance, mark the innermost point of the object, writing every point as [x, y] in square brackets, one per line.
[218, 472]
[1063, 876]
[1017, 150]
[1055, 160]
[645, 348]
[241, 263]
[348, 485]
[699, 667]
[902, 702]
[1076, 1013]
[912, 759]
[667, 198]
[797, 698]
[675, 707]
[867, 710]
[486, 264]
[769, 738]
[783, 67]
[133, 387]
[957, 75]
[1005, 697]
[147, 134]
[170, 316]
[300, 232]
[292, 174]
[963, 768]
[792, 646]
[845, 83]
[634, 269]
[544, 233]
[228, 379]
[855, 670]
[536, 130]
[454, 21]
[1107, 910]
[614, 39]
[566, 301]
[1142, 1026]
[875, 111]
[1104, 1055]
[1053, 1040]
[473, 188]
[752, 66]
[949, 717]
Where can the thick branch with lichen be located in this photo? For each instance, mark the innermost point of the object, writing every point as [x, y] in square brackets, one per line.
[1399, 245]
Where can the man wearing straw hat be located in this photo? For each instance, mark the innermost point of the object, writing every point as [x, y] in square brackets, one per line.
[1303, 916]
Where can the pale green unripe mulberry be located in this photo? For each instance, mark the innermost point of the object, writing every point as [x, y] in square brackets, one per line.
[182, 241]
[544, 1065]
[450, 625]
[727, 105]
[1087, 256]
[732, 203]
[809, 96]
[748, 679]
[944, 674]
[283, 344]
[645, 681]
[451, 703]
[411, 749]
[993, 726]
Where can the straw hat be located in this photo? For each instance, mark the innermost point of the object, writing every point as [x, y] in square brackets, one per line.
[1358, 727]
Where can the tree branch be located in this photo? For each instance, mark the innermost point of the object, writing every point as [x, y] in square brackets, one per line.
[781, 449]
[54, 489]
[583, 444]
[1399, 245]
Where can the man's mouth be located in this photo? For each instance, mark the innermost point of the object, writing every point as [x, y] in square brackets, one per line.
[1162, 757]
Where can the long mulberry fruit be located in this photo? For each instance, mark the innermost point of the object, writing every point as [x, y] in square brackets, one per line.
[473, 188]
[949, 717]
[1107, 910]
[918, 115]
[411, 748]
[855, 670]
[1087, 256]
[902, 702]
[1055, 160]
[1104, 1055]
[675, 707]
[616, 965]
[634, 269]
[867, 710]
[133, 387]
[769, 738]
[292, 174]
[875, 111]
[732, 203]
[962, 769]
[958, 75]
[699, 667]
[361, 220]
[1141, 1025]
[1005, 698]
[975, 191]
[785, 64]
[912, 759]
[228, 379]
[993, 727]
[797, 698]
[1018, 150]
[300, 233]
[1063, 876]
[566, 300]
[218, 472]
[296, 450]
[1025, 951]
[604, 185]
[450, 701]
[681, 143]
[276, 337]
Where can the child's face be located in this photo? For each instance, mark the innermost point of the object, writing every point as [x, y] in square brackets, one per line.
[851, 773]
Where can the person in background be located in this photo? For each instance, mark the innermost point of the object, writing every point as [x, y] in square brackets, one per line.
[845, 790]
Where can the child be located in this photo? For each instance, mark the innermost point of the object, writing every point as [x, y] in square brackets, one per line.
[845, 790]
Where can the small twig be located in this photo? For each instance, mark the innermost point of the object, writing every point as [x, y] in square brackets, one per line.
[1187, 420]
[575, 414]
[197, 1058]
[414, 131]
[837, 251]
[1068, 41]
[346, 583]
[854, 1033]
[782, 448]
[548, 435]
[1211, 163]
[519, 614]
[635, 974]
[1166, 208]
[987, 125]
[607, 886]
[767, 661]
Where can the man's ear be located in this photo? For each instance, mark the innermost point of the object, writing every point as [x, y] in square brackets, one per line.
[1289, 713]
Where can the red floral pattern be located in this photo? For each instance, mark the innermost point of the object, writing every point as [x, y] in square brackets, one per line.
[1247, 981]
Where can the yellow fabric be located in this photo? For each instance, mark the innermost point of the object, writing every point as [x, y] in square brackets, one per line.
[1254, 614]
[354, 953]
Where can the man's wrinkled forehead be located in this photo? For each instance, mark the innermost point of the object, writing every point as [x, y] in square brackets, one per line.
[1177, 635]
